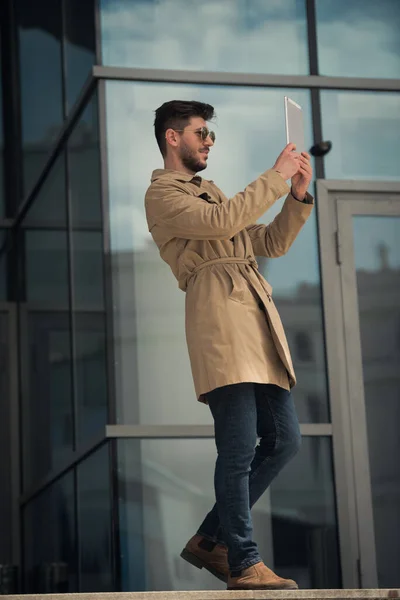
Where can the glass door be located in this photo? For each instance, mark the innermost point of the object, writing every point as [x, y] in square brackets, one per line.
[369, 256]
[359, 238]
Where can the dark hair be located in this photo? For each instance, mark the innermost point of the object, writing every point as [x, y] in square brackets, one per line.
[176, 115]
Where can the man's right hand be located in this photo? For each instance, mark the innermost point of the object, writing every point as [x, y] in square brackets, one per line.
[288, 162]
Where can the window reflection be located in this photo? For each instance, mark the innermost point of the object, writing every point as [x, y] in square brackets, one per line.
[1, 150]
[377, 263]
[84, 172]
[94, 513]
[47, 268]
[49, 552]
[41, 88]
[166, 488]
[80, 45]
[6, 499]
[5, 245]
[304, 517]
[47, 414]
[89, 321]
[149, 308]
[213, 35]
[369, 38]
[364, 128]
[303, 347]
[50, 206]
[45, 332]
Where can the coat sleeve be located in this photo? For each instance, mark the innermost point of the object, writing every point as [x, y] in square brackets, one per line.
[275, 239]
[190, 217]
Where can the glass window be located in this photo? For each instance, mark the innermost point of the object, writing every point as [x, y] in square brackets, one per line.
[40, 37]
[1, 148]
[150, 342]
[6, 501]
[303, 513]
[364, 128]
[50, 206]
[45, 336]
[304, 347]
[84, 169]
[166, 488]
[213, 35]
[358, 38]
[47, 392]
[89, 320]
[46, 267]
[4, 257]
[50, 551]
[94, 517]
[90, 373]
[377, 264]
[79, 47]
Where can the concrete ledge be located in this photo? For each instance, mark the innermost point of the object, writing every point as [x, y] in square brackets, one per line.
[222, 595]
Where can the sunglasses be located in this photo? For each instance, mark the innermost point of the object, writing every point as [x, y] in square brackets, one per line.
[203, 133]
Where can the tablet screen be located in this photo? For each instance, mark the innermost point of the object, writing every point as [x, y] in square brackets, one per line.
[294, 125]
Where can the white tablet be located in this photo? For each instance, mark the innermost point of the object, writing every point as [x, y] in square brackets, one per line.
[294, 124]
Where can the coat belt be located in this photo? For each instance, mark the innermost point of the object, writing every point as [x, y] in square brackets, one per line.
[233, 260]
[228, 260]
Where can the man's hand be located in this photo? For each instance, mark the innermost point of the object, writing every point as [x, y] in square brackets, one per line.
[301, 180]
[288, 162]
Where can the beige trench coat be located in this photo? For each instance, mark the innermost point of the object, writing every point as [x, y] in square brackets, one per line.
[233, 329]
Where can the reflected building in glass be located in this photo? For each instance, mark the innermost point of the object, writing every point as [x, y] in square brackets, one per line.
[100, 431]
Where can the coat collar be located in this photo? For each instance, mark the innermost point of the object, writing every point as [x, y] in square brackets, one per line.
[176, 175]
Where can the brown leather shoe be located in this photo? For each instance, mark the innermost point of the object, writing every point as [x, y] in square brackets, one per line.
[202, 553]
[259, 577]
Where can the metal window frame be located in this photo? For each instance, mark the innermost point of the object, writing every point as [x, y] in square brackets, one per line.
[145, 432]
[194, 431]
[110, 337]
[245, 79]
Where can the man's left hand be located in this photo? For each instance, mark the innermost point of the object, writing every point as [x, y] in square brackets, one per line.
[302, 179]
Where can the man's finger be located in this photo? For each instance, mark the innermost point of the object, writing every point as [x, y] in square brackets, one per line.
[306, 155]
[290, 147]
[306, 163]
[305, 170]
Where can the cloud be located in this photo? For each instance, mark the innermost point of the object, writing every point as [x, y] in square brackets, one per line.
[269, 37]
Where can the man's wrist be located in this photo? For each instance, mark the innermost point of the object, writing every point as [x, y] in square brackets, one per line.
[280, 173]
[296, 197]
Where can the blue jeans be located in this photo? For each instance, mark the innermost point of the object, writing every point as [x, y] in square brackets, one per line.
[243, 471]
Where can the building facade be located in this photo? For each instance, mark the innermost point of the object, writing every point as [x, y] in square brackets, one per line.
[107, 458]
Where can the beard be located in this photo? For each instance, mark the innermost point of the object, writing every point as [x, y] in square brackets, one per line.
[189, 159]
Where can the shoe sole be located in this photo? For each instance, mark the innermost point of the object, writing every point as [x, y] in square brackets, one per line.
[200, 564]
[264, 587]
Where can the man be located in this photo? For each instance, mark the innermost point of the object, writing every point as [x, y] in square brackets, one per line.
[239, 355]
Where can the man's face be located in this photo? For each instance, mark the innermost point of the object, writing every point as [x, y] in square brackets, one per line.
[193, 151]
